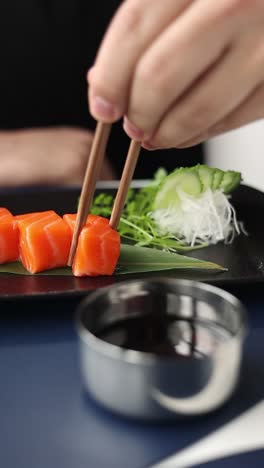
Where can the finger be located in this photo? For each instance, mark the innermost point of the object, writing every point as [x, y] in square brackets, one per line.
[133, 28]
[213, 97]
[181, 54]
[250, 110]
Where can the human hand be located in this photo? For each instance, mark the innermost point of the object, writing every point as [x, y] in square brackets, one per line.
[181, 71]
[46, 156]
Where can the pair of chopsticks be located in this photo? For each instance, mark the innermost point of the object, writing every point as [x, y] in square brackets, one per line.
[91, 175]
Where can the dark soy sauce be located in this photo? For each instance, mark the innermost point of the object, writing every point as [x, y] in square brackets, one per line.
[165, 335]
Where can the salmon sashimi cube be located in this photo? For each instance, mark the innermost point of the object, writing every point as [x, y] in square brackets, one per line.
[91, 219]
[97, 252]
[45, 240]
[9, 239]
[98, 247]
[32, 215]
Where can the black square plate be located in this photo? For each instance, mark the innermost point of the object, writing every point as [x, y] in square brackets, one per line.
[244, 258]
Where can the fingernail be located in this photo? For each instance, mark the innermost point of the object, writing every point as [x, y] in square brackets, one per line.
[132, 130]
[89, 74]
[103, 109]
[148, 146]
[193, 141]
[186, 144]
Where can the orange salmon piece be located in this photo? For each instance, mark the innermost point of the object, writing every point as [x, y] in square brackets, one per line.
[9, 237]
[91, 219]
[98, 247]
[45, 240]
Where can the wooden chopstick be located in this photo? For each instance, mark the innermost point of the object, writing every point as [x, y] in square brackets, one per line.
[128, 172]
[91, 175]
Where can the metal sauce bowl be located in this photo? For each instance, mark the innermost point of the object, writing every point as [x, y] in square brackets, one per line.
[207, 335]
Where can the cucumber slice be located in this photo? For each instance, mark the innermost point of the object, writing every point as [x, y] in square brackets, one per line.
[206, 175]
[193, 181]
[218, 177]
[230, 181]
[185, 179]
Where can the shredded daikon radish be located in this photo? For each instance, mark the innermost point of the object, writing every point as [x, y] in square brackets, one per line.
[209, 218]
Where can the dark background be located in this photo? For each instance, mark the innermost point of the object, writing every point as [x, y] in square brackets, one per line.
[46, 47]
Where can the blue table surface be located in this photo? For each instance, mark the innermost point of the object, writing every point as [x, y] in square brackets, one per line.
[48, 421]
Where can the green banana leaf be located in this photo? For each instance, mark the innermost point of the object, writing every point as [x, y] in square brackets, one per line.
[132, 260]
